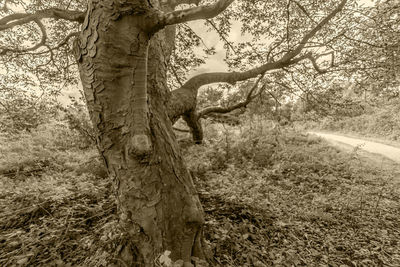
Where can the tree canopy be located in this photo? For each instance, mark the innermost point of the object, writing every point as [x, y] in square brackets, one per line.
[37, 38]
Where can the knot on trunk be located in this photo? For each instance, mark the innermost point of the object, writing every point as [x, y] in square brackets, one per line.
[140, 145]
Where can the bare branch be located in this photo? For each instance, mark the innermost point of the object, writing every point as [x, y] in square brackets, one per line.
[184, 98]
[315, 64]
[232, 77]
[287, 60]
[312, 33]
[18, 19]
[250, 96]
[221, 35]
[173, 70]
[195, 13]
[181, 130]
[175, 3]
[4, 50]
[274, 97]
[362, 41]
[303, 9]
[194, 33]
[276, 45]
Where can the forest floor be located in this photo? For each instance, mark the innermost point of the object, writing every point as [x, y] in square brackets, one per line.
[272, 197]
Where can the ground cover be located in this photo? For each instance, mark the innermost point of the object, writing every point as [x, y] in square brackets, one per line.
[272, 197]
[377, 123]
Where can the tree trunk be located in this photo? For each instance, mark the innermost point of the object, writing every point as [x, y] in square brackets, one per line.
[194, 123]
[123, 73]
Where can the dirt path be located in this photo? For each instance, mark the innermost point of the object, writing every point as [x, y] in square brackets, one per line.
[390, 152]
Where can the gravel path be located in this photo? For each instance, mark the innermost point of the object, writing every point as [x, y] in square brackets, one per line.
[390, 152]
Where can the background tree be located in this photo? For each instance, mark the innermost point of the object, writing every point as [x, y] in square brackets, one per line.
[130, 54]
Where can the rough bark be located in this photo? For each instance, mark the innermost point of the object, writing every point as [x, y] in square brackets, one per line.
[158, 206]
[196, 129]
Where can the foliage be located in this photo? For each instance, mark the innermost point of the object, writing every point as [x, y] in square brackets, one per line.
[77, 118]
[272, 196]
[280, 197]
[370, 53]
[24, 111]
[54, 196]
[52, 145]
[380, 121]
[269, 29]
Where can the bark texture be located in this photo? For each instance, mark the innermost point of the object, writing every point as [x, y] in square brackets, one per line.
[123, 71]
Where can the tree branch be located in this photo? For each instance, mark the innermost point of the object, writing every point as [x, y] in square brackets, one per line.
[312, 33]
[173, 70]
[184, 98]
[232, 77]
[18, 19]
[242, 104]
[175, 3]
[221, 35]
[66, 39]
[303, 9]
[362, 41]
[4, 50]
[195, 13]
[287, 60]
[315, 64]
[181, 130]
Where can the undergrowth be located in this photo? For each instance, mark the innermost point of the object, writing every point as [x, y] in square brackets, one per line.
[380, 122]
[288, 199]
[272, 197]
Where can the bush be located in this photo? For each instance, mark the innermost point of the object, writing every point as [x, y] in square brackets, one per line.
[50, 146]
[378, 122]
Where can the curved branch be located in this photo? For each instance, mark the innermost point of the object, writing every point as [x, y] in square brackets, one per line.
[184, 98]
[192, 117]
[312, 33]
[175, 3]
[303, 9]
[194, 13]
[229, 44]
[242, 104]
[66, 39]
[232, 77]
[287, 60]
[18, 19]
[178, 129]
[4, 50]
[315, 64]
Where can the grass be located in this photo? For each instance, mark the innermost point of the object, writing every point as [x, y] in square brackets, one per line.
[272, 197]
